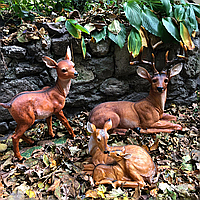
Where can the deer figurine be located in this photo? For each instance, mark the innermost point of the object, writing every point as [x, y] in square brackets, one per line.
[129, 169]
[118, 164]
[147, 115]
[96, 146]
[28, 106]
[99, 149]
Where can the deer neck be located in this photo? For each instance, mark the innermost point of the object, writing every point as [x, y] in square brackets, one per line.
[63, 86]
[92, 146]
[158, 99]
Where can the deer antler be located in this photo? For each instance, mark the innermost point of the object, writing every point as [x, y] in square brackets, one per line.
[179, 59]
[140, 61]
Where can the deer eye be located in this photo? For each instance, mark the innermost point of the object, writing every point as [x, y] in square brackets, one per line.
[63, 70]
[117, 154]
[98, 139]
[166, 80]
[154, 80]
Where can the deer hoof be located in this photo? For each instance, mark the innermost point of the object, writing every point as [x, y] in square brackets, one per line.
[137, 129]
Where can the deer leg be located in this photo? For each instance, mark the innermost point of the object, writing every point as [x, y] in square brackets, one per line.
[154, 130]
[88, 167]
[136, 177]
[49, 124]
[128, 184]
[27, 140]
[168, 117]
[19, 131]
[65, 122]
[119, 131]
[161, 124]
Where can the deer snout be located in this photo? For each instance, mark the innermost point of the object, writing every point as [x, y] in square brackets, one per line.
[160, 89]
[75, 74]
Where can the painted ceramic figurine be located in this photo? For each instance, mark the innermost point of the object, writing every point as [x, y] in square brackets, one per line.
[28, 106]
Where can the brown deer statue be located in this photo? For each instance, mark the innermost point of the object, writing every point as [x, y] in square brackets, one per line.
[147, 115]
[129, 170]
[28, 106]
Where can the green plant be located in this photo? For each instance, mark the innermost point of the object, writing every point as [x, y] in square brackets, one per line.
[171, 21]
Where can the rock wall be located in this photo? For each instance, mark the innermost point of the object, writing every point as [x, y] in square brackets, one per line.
[104, 75]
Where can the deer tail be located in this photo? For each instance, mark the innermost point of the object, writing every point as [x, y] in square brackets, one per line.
[6, 105]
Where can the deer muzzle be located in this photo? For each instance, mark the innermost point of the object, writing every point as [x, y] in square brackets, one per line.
[75, 74]
[160, 89]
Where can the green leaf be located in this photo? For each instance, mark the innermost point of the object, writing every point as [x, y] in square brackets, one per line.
[40, 184]
[73, 30]
[83, 46]
[187, 167]
[171, 27]
[134, 42]
[179, 12]
[46, 160]
[60, 19]
[114, 27]
[90, 27]
[98, 36]
[167, 6]
[196, 9]
[60, 140]
[192, 19]
[28, 153]
[133, 13]
[186, 158]
[151, 23]
[78, 26]
[120, 38]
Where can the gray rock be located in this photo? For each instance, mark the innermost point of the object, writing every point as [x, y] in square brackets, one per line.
[102, 67]
[59, 45]
[3, 127]
[112, 86]
[12, 125]
[14, 51]
[101, 48]
[25, 69]
[54, 29]
[122, 68]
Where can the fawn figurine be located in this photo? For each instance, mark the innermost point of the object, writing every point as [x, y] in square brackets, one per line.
[28, 106]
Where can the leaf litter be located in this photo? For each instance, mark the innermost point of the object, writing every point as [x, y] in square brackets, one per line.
[53, 168]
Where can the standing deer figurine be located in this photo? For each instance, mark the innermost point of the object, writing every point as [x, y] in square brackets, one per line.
[146, 116]
[28, 106]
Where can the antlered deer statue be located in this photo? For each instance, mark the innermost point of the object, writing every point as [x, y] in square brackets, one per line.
[145, 116]
[28, 106]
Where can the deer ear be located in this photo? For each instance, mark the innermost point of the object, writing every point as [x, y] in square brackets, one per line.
[49, 62]
[108, 124]
[127, 156]
[142, 72]
[91, 128]
[175, 70]
[68, 54]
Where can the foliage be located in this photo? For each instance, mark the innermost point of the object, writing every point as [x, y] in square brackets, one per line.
[169, 20]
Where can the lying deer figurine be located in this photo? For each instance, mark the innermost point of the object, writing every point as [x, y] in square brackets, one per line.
[28, 106]
[105, 168]
[145, 116]
[129, 170]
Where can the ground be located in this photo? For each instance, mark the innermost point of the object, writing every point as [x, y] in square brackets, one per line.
[53, 168]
